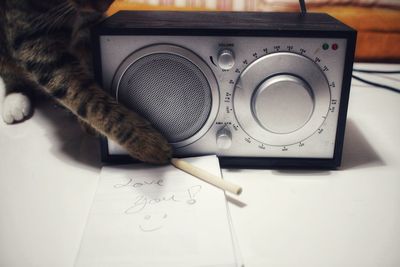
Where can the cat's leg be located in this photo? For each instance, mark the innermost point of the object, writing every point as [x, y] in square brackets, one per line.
[17, 102]
[62, 76]
[87, 128]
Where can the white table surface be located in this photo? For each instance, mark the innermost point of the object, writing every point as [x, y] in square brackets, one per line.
[348, 217]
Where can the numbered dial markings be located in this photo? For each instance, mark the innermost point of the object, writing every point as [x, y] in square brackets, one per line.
[281, 98]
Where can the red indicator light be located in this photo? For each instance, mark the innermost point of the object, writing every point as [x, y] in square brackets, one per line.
[335, 46]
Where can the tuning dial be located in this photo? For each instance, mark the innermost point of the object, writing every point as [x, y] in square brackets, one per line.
[224, 138]
[281, 98]
[226, 59]
[283, 104]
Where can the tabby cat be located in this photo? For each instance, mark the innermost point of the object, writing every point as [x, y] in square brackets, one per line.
[44, 45]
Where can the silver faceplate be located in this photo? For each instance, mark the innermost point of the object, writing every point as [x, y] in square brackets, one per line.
[317, 142]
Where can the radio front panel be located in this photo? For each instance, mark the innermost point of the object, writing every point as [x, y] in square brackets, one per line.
[254, 100]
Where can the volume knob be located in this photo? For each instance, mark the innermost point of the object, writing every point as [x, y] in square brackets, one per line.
[226, 59]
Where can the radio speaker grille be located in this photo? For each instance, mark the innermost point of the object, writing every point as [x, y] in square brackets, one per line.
[168, 90]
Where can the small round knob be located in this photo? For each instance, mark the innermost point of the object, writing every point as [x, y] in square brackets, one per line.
[283, 104]
[224, 138]
[226, 59]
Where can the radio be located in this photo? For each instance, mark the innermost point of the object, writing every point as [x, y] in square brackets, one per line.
[257, 89]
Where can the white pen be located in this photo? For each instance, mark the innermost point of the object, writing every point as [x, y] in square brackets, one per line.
[206, 176]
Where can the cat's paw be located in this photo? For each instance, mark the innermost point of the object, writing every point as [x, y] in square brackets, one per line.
[16, 107]
[142, 141]
[148, 145]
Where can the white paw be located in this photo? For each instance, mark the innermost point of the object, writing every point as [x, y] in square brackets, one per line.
[2, 90]
[16, 107]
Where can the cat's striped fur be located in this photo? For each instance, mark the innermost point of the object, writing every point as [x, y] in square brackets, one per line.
[42, 46]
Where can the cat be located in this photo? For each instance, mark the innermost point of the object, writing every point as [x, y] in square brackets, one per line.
[44, 45]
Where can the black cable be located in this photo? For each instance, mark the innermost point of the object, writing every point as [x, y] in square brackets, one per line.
[303, 7]
[393, 89]
[378, 71]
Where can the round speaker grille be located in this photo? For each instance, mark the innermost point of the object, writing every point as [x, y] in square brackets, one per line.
[168, 90]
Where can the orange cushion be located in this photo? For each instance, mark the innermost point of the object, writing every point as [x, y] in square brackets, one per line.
[378, 30]
[120, 5]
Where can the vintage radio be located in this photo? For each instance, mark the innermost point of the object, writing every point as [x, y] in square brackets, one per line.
[257, 89]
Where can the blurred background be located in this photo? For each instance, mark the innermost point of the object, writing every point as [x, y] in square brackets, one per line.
[377, 21]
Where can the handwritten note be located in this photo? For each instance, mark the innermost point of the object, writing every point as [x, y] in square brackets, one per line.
[157, 216]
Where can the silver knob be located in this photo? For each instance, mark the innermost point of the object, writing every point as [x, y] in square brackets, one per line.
[226, 59]
[283, 104]
[224, 138]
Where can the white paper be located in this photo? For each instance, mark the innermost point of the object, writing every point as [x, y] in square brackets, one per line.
[157, 216]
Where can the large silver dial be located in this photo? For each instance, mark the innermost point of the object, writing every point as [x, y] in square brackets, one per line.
[283, 104]
[281, 98]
